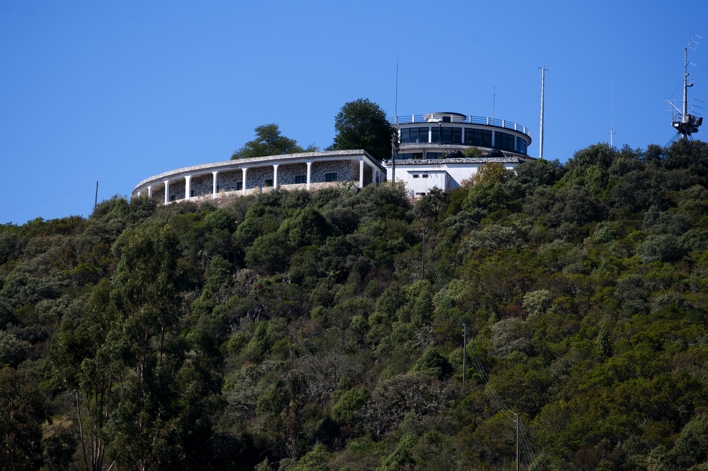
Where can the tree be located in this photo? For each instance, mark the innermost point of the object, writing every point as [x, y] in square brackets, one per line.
[362, 124]
[22, 411]
[269, 141]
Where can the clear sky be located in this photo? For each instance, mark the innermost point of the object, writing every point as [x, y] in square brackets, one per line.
[120, 91]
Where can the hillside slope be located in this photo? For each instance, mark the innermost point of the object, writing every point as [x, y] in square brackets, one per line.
[298, 331]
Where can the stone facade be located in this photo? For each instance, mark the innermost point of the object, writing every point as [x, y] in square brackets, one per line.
[201, 185]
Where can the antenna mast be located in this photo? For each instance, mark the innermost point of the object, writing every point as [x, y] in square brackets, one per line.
[394, 137]
[543, 86]
[685, 123]
[612, 103]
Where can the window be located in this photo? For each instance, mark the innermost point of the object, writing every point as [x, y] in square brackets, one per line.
[425, 175]
[330, 177]
[520, 145]
[239, 186]
[478, 137]
[435, 134]
[415, 175]
[269, 182]
[449, 135]
[413, 135]
[301, 179]
[504, 141]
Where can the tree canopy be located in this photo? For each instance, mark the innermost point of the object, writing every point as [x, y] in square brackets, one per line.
[297, 330]
[269, 141]
[362, 124]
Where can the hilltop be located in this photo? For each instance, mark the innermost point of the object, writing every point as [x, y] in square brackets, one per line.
[297, 330]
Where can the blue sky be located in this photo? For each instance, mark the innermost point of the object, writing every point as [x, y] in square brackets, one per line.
[120, 91]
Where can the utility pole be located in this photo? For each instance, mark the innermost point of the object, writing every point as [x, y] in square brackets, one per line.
[464, 354]
[518, 462]
[543, 89]
[393, 157]
[95, 198]
[423, 231]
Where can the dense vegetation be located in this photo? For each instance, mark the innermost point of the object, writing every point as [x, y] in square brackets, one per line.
[296, 330]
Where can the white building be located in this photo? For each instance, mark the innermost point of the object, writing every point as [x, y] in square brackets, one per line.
[308, 171]
[431, 146]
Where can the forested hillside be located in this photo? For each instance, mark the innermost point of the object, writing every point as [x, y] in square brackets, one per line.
[297, 331]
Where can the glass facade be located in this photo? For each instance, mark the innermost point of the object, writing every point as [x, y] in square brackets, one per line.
[414, 135]
[478, 137]
[504, 141]
[440, 134]
[447, 135]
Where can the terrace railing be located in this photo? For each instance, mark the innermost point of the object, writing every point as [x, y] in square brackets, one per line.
[470, 119]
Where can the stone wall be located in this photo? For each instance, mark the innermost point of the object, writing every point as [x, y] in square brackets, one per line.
[341, 167]
[158, 195]
[177, 188]
[201, 184]
[228, 181]
[287, 173]
[256, 177]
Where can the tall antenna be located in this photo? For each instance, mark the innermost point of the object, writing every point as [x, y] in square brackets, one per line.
[494, 101]
[395, 112]
[612, 100]
[543, 87]
[685, 123]
[393, 137]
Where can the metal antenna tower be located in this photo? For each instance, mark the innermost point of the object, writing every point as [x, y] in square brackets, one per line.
[543, 89]
[393, 138]
[612, 103]
[684, 122]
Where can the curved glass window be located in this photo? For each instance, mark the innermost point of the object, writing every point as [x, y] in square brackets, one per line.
[414, 135]
[520, 145]
[446, 135]
[478, 137]
[505, 141]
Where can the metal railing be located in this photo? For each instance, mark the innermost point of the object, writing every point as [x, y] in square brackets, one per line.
[469, 119]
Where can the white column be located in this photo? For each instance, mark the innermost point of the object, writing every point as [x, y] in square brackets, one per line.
[361, 173]
[187, 187]
[213, 183]
[275, 175]
[245, 171]
[430, 134]
[309, 173]
[150, 191]
[167, 191]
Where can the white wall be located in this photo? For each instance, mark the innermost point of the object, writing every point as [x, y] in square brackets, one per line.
[443, 176]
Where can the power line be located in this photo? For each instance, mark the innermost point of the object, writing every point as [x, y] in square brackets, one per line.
[49, 199]
[484, 379]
